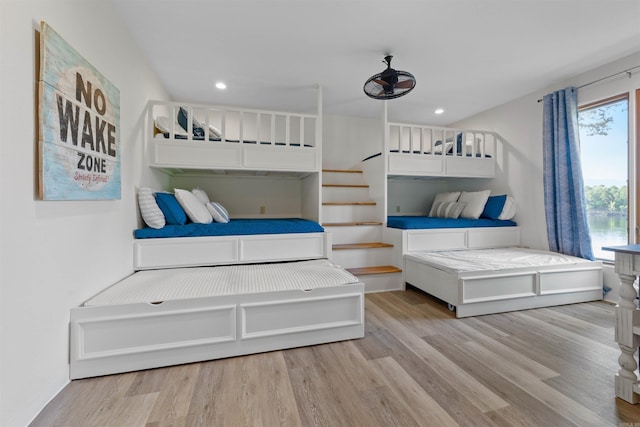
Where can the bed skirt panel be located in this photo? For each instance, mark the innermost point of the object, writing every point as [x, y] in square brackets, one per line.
[129, 337]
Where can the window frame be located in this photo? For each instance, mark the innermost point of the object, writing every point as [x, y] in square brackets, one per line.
[633, 159]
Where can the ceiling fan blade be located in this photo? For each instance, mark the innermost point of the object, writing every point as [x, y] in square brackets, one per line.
[380, 93]
[405, 84]
[380, 82]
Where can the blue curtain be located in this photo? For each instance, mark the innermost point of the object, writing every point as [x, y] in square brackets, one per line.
[564, 199]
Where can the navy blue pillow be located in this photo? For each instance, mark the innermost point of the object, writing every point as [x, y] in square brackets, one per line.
[173, 212]
[182, 121]
[493, 207]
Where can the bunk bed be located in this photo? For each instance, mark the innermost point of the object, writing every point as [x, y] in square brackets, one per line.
[207, 285]
[425, 244]
[217, 140]
[430, 151]
[191, 136]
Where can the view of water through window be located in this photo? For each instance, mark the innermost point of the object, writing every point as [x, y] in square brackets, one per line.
[604, 156]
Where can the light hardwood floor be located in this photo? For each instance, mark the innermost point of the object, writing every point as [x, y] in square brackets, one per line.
[417, 366]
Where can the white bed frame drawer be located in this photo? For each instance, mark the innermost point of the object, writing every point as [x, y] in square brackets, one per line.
[222, 250]
[262, 248]
[154, 331]
[564, 281]
[498, 287]
[265, 319]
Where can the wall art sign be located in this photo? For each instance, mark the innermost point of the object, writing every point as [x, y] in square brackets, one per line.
[79, 125]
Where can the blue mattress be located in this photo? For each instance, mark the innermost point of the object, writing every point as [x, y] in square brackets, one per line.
[232, 228]
[425, 222]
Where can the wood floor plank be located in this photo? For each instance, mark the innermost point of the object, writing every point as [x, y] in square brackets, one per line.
[414, 399]
[474, 392]
[172, 405]
[417, 366]
[521, 404]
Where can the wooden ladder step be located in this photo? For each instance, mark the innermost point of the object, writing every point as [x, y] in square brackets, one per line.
[349, 203]
[372, 245]
[342, 170]
[382, 269]
[346, 185]
[346, 224]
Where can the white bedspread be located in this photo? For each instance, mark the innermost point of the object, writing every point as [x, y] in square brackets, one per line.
[197, 282]
[491, 259]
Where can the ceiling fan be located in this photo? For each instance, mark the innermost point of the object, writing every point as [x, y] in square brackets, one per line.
[390, 83]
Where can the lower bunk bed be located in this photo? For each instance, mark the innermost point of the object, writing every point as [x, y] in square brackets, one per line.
[495, 280]
[237, 242]
[165, 317]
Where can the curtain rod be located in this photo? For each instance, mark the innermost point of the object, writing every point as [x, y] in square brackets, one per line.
[628, 72]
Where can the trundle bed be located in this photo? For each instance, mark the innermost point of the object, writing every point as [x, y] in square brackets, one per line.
[207, 291]
[164, 317]
[479, 269]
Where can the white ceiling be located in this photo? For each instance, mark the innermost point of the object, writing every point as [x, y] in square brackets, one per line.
[467, 55]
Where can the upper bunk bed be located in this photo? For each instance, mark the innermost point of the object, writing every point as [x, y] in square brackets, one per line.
[192, 137]
[430, 151]
[419, 151]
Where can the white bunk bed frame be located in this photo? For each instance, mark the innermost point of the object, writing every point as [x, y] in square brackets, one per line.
[120, 338]
[477, 293]
[253, 142]
[261, 141]
[411, 150]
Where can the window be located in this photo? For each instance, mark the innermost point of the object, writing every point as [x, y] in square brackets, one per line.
[604, 152]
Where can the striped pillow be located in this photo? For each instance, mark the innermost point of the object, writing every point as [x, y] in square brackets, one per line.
[449, 209]
[149, 210]
[218, 212]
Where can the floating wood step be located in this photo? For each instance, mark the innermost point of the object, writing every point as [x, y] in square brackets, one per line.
[347, 185]
[372, 245]
[349, 203]
[342, 170]
[381, 269]
[347, 224]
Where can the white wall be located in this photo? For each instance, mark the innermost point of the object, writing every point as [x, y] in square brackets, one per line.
[54, 255]
[348, 140]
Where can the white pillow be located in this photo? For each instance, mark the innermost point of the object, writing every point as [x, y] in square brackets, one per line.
[194, 208]
[443, 197]
[475, 201]
[218, 212]
[449, 209]
[151, 213]
[213, 131]
[201, 195]
[509, 208]
[164, 125]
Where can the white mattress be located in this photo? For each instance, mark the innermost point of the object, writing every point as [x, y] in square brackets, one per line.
[196, 282]
[491, 259]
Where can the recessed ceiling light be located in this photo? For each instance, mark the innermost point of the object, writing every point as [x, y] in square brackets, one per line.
[221, 85]
[439, 111]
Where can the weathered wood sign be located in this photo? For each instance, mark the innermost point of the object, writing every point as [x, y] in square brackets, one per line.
[79, 125]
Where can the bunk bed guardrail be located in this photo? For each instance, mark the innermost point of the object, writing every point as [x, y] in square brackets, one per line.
[192, 136]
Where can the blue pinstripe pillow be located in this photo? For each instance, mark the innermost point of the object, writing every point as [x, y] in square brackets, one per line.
[218, 212]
